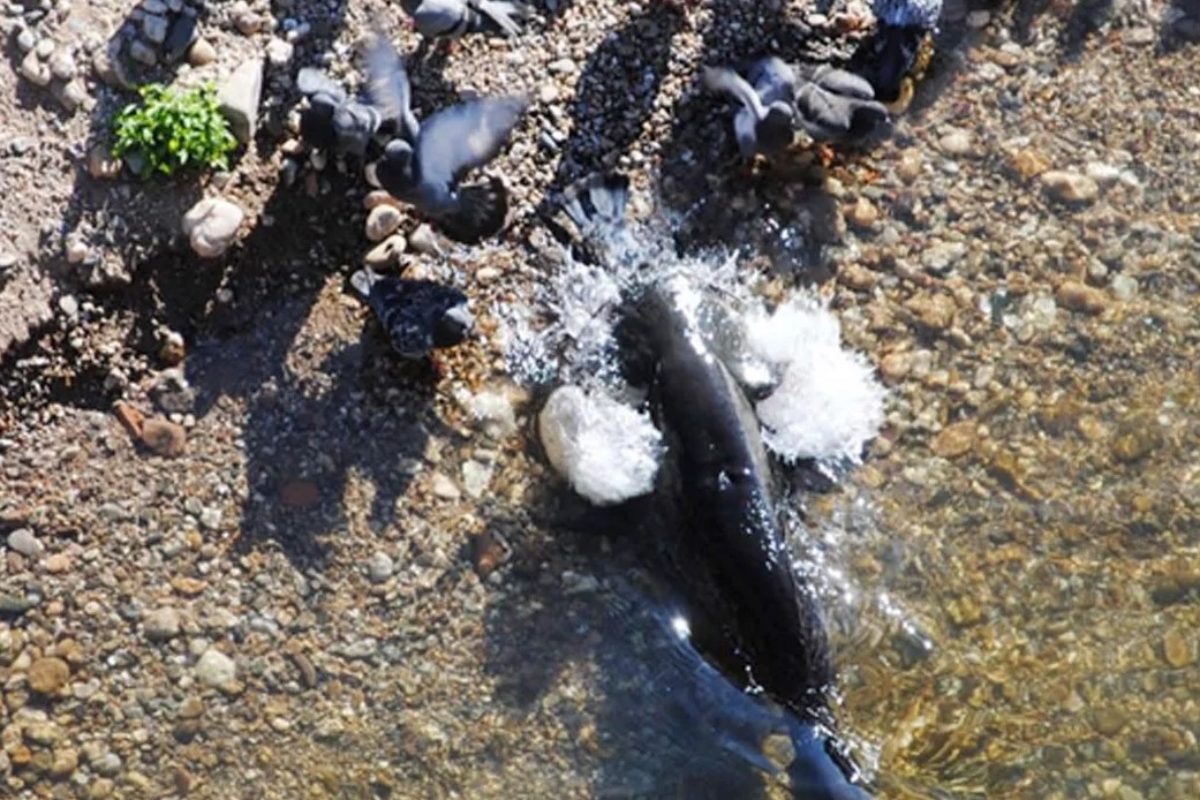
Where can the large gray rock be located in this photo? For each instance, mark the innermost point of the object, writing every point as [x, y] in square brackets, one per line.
[239, 96]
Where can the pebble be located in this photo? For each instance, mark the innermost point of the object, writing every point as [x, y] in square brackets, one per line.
[863, 214]
[1069, 187]
[489, 551]
[1028, 163]
[211, 226]
[1137, 436]
[279, 52]
[48, 675]
[934, 311]
[161, 624]
[386, 253]
[1077, 296]
[476, 477]
[1178, 652]
[239, 97]
[163, 437]
[57, 564]
[26, 40]
[1103, 174]
[425, 241]
[43, 734]
[71, 95]
[44, 48]
[909, 167]
[443, 487]
[940, 258]
[215, 668]
[249, 23]
[66, 760]
[201, 53]
[956, 142]
[1124, 287]
[382, 222]
[954, 440]
[24, 542]
[62, 64]
[34, 70]
[380, 567]
[896, 366]
[1109, 720]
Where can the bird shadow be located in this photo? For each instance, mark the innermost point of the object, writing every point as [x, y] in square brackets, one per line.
[609, 110]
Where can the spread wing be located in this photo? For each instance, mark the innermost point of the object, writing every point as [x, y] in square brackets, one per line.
[388, 85]
[847, 84]
[723, 79]
[466, 136]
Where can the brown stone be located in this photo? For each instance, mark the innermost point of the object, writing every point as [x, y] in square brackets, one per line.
[954, 440]
[934, 311]
[164, 438]
[1178, 651]
[188, 587]
[48, 675]
[300, 493]
[895, 366]
[1028, 163]
[858, 277]
[1137, 437]
[863, 214]
[1077, 296]
[490, 550]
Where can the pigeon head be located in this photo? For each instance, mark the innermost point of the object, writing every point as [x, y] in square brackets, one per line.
[777, 129]
[888, 57]
[395, 168]
[453, 325]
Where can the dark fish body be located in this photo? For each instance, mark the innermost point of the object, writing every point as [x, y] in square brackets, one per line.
[731, 553]
[746, 609]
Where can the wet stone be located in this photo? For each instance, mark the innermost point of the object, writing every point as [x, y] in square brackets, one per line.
[48, 675]
[1070, 187]
[1077, 296]
[1109, 721]
[24, 542]
[954, 440]
[161, 624]
[215, 668]
[1178, 651]
[1137, 437]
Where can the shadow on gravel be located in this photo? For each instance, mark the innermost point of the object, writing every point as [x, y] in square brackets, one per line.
[315, 409]
[615, 93]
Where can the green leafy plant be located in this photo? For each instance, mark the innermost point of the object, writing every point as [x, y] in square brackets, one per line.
[173, 130]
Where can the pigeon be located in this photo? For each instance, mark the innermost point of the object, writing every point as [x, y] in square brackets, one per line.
[450, 19]
[765, 122]
[836, 105]
[424, 164]
[332, 121]
[420, 316]
[886, 57]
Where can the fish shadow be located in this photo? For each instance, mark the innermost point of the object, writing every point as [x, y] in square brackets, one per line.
[658, 721]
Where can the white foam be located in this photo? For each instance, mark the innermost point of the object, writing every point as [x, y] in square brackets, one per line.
[828, 404]
[606, 450]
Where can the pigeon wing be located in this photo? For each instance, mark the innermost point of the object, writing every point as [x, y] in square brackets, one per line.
[463, 137]
[723, 79]
[847, 84]
[388, 85]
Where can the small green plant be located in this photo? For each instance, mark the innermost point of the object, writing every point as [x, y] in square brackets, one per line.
[173, 130]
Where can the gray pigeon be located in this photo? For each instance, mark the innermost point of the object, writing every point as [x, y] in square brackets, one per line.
[423, 166]
[419, 316]
[450, 19]
[332, 121]
[765, 121]
[836, 105]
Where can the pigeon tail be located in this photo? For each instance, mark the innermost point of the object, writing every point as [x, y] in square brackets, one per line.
[481, 211]
[597, 200]
[504, 14]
